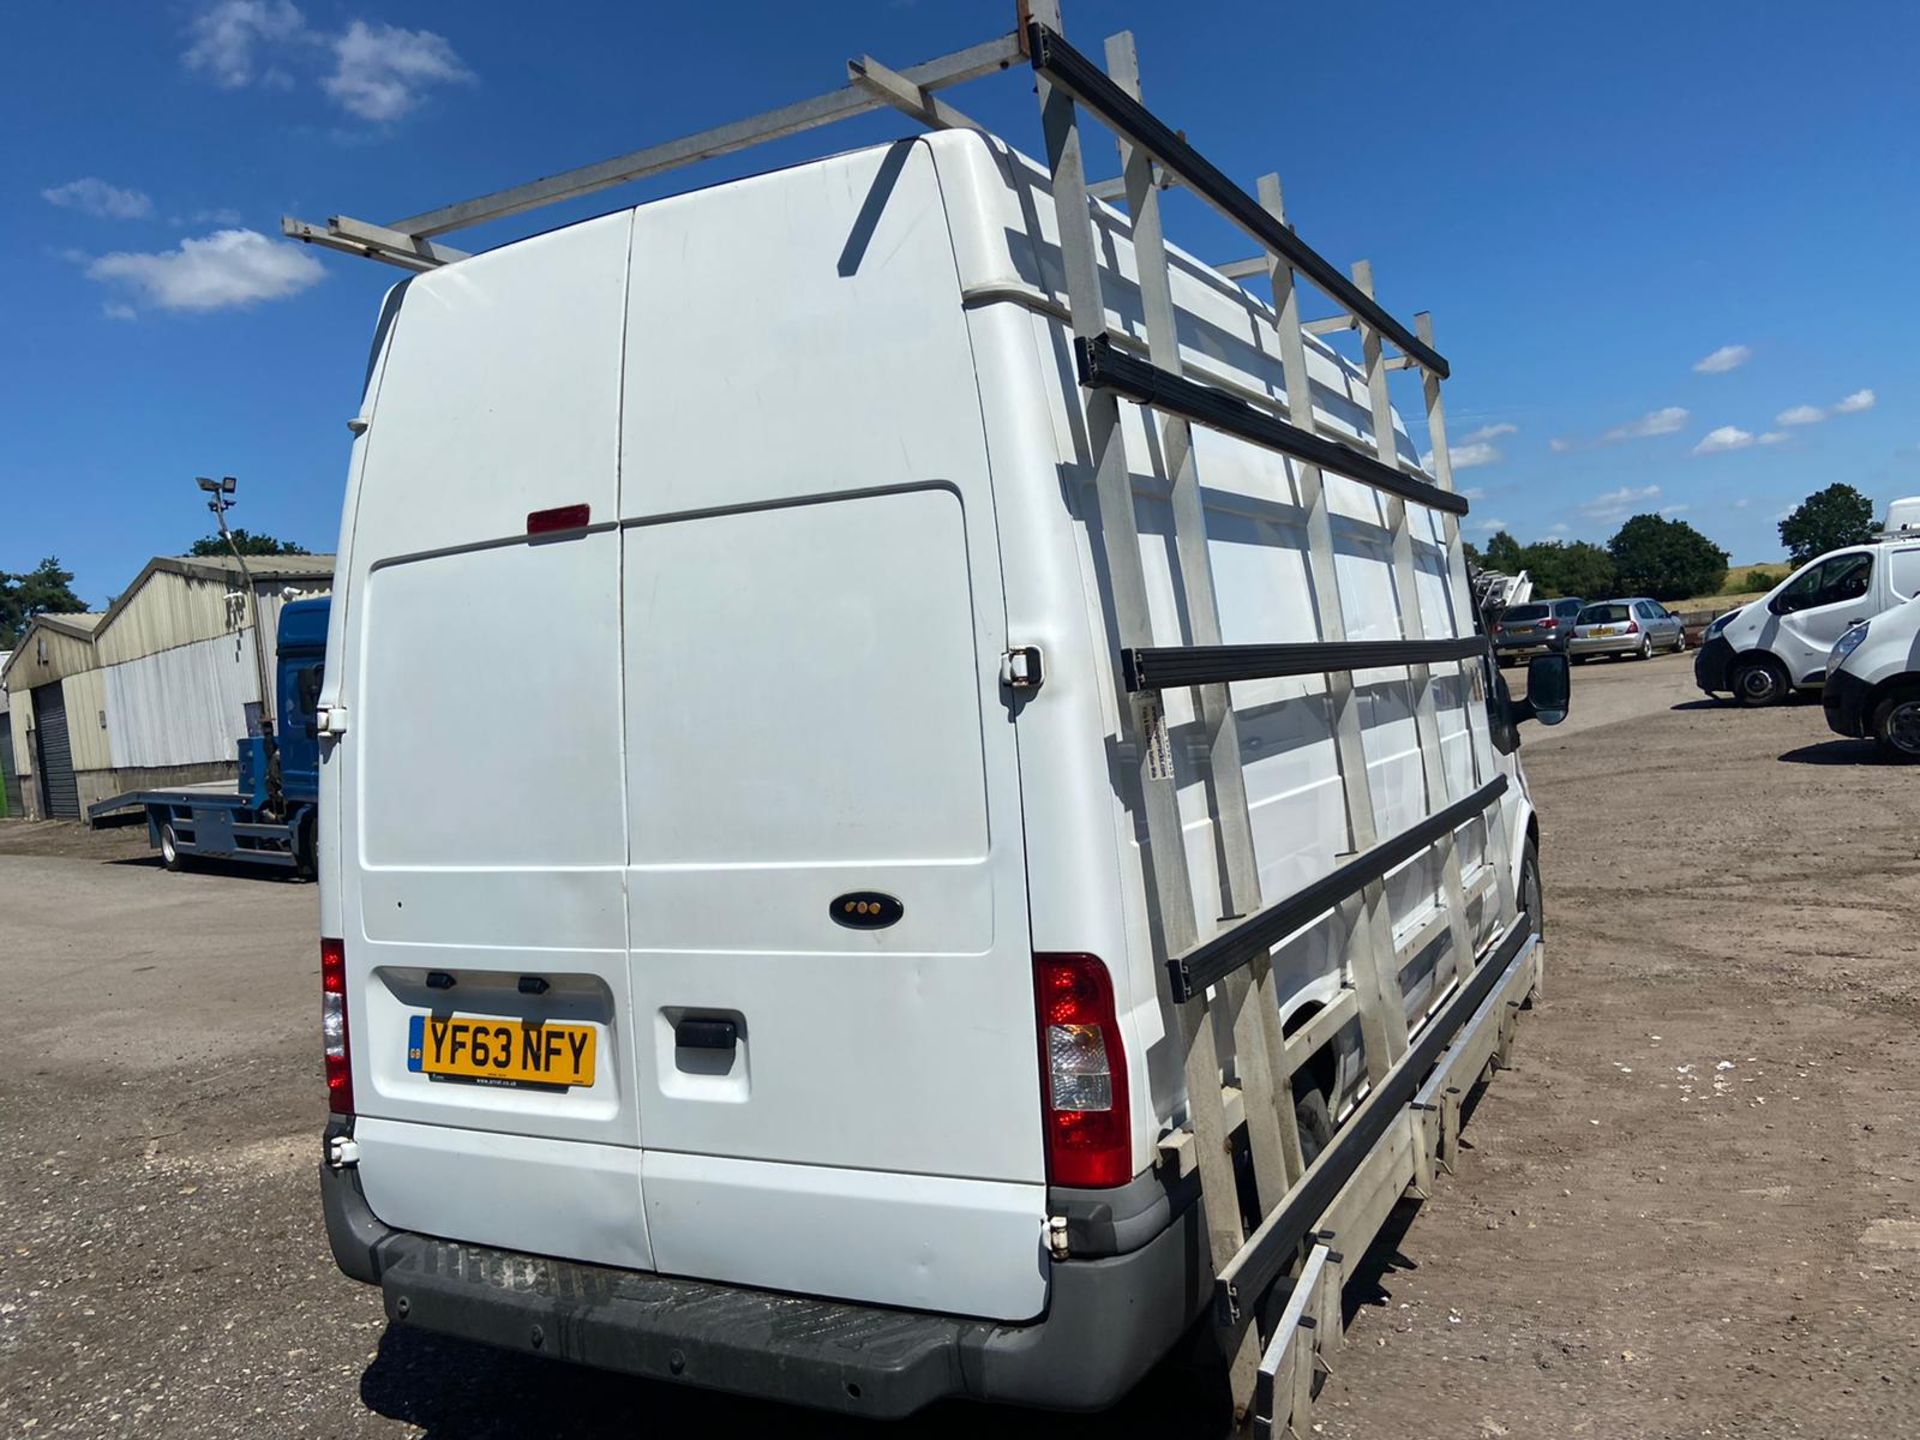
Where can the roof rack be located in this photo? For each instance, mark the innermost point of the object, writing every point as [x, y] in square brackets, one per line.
[1225, 972]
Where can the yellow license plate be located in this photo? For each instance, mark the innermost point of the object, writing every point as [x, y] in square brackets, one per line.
[505, 1052]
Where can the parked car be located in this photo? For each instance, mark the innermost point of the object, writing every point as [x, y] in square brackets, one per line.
[1636, 626]
[1779, 643]
[1873, 683]
[1529, 629]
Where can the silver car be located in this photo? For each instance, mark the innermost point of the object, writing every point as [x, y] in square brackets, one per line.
[1636, 626]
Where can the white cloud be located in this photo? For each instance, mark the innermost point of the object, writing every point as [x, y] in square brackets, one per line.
[114, 310]
[1473, 492]
[381, 70]
[1618, 504]
[1467, 457]
[226, 268]
[225, 215]
[1773, 437]
[1474, 448]
[1743, 502]
[1560, 529]
[1812, 414]
[1560, 444]
[1726, 437]
[1491, 525]
[1489, 432]
[231, 38]
[1674, 509]
[1727, 357]
[92, 196]
[1656, 422]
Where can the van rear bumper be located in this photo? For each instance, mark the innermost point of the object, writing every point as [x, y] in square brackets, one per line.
[1108, 1321]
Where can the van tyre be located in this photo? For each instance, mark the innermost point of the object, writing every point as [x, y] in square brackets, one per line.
[303, 856]
[1316, 1123]
[1529, 894]
[1758, 682]
[1896, 727]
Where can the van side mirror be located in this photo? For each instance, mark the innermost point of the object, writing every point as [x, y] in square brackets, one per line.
[1549, 690]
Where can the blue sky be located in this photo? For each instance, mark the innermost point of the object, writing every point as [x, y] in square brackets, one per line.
[1593, 203]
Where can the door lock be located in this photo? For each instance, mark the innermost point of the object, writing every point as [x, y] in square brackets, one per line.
[1022, 668]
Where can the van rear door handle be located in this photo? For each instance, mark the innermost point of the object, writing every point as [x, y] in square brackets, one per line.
[695, 1033]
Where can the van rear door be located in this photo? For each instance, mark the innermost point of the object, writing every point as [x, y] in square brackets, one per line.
[831, 964]
[479, 799]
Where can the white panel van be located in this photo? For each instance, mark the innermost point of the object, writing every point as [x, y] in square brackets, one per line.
[1777, 644]
[698, 843]
[1873, 683]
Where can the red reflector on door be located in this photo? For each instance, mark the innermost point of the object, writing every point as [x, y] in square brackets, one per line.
[561, 517]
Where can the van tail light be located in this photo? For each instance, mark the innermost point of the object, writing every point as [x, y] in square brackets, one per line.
[1083, 1074]
[333, 1026]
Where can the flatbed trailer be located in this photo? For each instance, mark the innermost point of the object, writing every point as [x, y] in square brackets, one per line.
[262, 818]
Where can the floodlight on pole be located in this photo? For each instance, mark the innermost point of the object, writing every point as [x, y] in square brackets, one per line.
[220, 489]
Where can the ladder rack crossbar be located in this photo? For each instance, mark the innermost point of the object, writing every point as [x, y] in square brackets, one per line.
[999, 53]
[1104, 366]
[1213, 960]
[1166, 667]
[1076, 74]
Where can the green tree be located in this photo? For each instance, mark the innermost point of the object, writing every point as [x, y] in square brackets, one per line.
[1666, 559]
[44, 590]
[1575, 567]
[1826, 520]
[248, 544]
[1505, 554]
[1472, 552]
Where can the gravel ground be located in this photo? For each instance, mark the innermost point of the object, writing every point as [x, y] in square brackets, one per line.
[1690, 1211]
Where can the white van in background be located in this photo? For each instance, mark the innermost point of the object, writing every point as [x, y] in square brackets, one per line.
[1763, 651]
[1873, 683]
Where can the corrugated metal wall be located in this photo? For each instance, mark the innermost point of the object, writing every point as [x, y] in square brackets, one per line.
[86, 696]
[171, 609]
[182, 706]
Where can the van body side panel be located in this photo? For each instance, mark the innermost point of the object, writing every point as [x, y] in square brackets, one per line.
[482, 821]
[1010, 260]
[813, 621]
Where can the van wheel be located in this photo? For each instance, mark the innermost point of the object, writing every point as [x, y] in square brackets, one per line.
[1316, 1124]
[303, 856]
[1531, 903]
[1896, 727]
[1759, 682]
[170, 855]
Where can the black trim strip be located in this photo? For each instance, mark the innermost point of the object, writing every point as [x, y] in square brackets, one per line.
[1168, 667]
[1273, 1247]
[1104, 367]
[1213, 960]
[1120, 112]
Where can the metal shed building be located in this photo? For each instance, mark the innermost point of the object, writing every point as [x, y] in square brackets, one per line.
[155, 690]
[11, 801]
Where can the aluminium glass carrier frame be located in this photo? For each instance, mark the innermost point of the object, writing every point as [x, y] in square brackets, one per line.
[1277, 1288]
